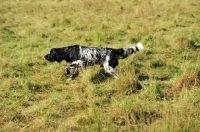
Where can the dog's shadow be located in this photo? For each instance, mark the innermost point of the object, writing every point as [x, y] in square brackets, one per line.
[100, 77]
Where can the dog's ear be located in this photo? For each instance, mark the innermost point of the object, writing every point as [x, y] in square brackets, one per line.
[71, 53]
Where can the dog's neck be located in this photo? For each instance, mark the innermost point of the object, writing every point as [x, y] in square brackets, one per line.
[68, 57]
[66, 52]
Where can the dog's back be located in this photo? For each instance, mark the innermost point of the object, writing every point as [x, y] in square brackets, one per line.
[93, 55]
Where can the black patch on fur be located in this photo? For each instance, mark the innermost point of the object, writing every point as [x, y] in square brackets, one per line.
[137, 48]
[113, 62]
[120, 53]
[73, 53]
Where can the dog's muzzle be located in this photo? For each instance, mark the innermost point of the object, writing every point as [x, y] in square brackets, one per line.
[49, 58]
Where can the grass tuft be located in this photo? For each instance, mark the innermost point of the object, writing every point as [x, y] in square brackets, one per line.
[188, 80]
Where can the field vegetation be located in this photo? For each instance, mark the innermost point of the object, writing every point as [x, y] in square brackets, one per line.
[157, 89]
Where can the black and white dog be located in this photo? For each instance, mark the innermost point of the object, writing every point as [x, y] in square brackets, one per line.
[82, 56]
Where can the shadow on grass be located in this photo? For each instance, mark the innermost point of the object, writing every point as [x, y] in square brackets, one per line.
[133, 88]
[194, 44]
[100, 77]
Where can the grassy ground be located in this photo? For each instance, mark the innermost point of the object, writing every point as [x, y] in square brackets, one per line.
[157, 90]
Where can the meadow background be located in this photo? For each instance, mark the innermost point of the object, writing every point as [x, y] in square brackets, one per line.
[157, 89]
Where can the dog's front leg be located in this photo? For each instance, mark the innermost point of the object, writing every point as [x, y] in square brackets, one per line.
[68, 68]
[76, 65]
[74, 74]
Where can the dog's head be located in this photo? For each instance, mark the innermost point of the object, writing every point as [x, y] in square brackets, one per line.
[56, 54]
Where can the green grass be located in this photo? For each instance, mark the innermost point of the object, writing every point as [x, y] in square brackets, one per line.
[157, 89]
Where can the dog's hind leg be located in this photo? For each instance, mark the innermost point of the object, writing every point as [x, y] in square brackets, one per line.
[109, 69]
[76, 65]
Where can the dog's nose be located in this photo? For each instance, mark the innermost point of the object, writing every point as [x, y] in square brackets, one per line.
[46, 57]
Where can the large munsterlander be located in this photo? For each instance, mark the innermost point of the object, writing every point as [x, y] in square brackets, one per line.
[82, 56]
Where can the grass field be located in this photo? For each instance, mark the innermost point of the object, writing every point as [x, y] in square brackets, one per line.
[157, 89]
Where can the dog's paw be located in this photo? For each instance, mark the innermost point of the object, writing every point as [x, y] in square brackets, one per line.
[69, 79]
[116, 76]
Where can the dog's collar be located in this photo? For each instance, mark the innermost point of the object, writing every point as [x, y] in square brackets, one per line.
[66, 52]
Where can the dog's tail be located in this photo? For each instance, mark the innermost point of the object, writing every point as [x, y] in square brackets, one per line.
[124, 52]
